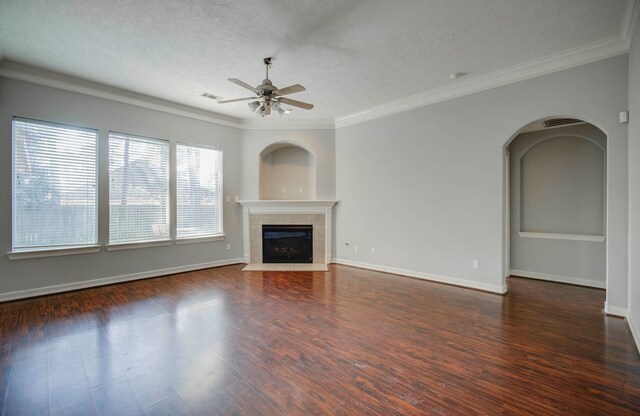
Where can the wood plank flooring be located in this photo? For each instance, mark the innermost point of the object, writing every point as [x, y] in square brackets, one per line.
[343, 342]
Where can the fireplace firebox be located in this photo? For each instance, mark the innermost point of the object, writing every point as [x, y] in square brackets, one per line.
[284, 243]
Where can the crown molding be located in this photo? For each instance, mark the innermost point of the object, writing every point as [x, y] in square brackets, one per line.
[40, 76]
[276, 124]
[592, 52]
[603, 49]
[35, 75]
[581, 55]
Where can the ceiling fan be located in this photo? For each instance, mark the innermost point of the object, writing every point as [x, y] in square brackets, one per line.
[269, 97]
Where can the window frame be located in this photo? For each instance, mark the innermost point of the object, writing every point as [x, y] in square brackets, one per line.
[54, 250]
[124, 245]
[202, 238]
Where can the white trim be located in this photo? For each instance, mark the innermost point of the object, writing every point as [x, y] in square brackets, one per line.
[606, 48]
[614, 310]
[568, 237]
[634, 331]
[284, 206]
[286, 267]
[284, 124]
[53, 252]
[190, 240]
[499, 289]
[602, 49]
[40, 76]
[138, 244]
[35, 75]
[111, 280]
[560, 279]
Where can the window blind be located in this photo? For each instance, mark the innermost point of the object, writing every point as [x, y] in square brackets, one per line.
[54, 185]
[199, 191]
[138, 189]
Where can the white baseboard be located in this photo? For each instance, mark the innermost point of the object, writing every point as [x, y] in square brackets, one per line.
[614, 310]
[426, 276]
[114, 279]
[634, 331]
[559, 279]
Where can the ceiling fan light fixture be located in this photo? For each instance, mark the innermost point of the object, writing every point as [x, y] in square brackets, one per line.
[253, 106]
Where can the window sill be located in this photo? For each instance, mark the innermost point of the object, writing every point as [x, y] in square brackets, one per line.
[568, 237]
[190, 240]
[53, 252]
[138, 244]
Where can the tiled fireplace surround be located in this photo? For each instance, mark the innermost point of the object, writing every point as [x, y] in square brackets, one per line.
[319, 214]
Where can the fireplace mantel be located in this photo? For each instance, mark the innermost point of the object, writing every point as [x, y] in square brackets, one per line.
[287, 207]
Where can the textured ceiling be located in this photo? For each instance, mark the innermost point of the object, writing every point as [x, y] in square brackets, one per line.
[350, 55]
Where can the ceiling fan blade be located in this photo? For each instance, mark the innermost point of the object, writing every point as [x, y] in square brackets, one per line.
[244, 85]
[237, 99]
[289, 90]
[295, 103]
[267, 109]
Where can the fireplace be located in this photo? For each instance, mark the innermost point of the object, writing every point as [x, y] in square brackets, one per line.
[317, 214]
[287, 243]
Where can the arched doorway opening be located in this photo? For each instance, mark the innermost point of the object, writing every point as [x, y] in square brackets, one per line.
[555, 185]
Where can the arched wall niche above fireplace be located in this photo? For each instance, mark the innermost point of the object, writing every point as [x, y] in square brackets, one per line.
[287, 172]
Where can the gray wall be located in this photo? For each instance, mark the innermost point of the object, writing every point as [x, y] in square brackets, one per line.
[32, 101]
[634, 183]
[557, 186]
[320, 142]
[426, 187]
[288, 173]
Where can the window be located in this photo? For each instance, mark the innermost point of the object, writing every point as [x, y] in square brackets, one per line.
[199, 191]
[138, 189]
[54, 185]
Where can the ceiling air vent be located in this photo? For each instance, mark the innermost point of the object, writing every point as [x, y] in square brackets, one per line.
[555, 122]
[210, 96]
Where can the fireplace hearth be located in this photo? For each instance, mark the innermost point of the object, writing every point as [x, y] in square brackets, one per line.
[287, 243]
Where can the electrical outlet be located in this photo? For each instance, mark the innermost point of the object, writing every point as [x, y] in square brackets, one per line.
[300, 189]
[284, 189]
[475, 264]
[228, 246]
[355, 248]
[237, 198]
[228, 199]
[373, 250]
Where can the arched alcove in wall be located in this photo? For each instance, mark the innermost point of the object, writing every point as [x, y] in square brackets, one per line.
[556, 202]
[287, 172]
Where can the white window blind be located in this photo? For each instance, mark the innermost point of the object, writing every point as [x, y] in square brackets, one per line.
[199, 189]
[138, 189]
[54, 185]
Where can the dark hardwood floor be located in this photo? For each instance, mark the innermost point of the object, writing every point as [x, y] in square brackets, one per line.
[346, 342]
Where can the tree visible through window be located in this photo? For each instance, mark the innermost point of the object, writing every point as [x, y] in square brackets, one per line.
[138, 189]
[54, 185]
[199, 191]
